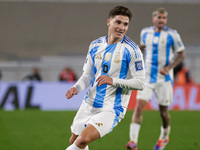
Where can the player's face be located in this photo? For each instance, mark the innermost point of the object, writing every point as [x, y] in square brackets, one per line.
[160, 20]
[117, 27]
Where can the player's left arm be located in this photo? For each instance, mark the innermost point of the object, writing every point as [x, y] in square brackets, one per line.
[179, 49]
[137, 70]
[179, 58]
[104, 79]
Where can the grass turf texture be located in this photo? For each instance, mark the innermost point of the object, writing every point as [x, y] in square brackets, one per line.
[50, 130]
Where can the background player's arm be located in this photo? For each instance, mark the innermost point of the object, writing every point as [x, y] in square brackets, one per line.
[179, 58]
[142, 48]
[179, 48]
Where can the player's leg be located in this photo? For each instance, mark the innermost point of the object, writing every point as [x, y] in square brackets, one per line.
[164, 94]
[165, 116]
[165, 128]
[74, 147]
[88, 135]
[72, 138]
[100, 124]
[135, 125]
[79, 123]
[137, 118]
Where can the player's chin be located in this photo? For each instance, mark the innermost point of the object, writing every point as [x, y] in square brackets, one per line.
[119, 35]
[161, 26]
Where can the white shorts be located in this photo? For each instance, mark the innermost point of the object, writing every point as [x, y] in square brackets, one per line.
[163, 92]
[103, 120]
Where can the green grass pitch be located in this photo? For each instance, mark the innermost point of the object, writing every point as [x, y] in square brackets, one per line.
[50, 130]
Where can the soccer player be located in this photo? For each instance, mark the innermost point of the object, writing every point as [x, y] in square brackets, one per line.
[113, 67]
[160, 44]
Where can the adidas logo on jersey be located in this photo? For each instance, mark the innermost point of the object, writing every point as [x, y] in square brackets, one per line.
[98, 56]
[117, 58]
[99, 124]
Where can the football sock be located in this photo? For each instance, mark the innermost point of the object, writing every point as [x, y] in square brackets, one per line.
[164, 133]
[134, 132]
[86, 148]
[74, 147]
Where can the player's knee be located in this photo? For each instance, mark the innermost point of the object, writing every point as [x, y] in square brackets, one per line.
[72, 139]
[139, 109]
[82, 141]
[137, 116]
[165, 115]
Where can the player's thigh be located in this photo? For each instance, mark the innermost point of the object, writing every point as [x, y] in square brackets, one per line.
[146, 94]
[103, 121]
[164, 93]
[82, 117]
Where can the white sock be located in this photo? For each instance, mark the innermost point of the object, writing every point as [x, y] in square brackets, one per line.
[86, 148]
[73, 147]
[134, 132]
[164, 133]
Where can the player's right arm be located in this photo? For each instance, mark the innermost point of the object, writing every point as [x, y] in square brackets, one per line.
[86, 78]
[142, 41]
[142, 48]
[71, 92]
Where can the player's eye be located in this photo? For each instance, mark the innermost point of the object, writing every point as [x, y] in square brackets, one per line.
[118, 22]
[126, 24]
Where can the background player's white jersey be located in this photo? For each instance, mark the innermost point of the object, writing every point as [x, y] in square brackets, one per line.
[122, 60]
[159, 52]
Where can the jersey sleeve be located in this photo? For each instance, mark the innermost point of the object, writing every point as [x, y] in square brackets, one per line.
[137, 71]
[178, 44]
[142, 38]
[88, 74]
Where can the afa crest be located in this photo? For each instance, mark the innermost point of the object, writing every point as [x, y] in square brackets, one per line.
[108, 56]
[155, 40]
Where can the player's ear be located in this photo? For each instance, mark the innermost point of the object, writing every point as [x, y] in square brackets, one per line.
[153, 18]
[108, 22]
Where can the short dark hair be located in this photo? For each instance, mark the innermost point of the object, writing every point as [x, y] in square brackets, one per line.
[120, 10]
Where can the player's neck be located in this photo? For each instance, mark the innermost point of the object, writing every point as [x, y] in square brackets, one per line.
[111, 40]
[156, 29]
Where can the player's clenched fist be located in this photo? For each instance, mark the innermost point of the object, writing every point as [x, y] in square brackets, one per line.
[71, 92]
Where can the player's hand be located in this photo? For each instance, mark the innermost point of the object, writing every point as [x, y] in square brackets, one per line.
[104, 80]
[164, 71]
[71, 92]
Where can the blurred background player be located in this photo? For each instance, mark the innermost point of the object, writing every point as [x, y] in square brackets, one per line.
[34, 76]
[67, 74]
[114, 66]
[0, 75]
[182, 75]
[159, 43]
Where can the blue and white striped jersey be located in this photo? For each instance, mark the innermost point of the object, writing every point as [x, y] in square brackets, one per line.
[159, 52]
[122, 61]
